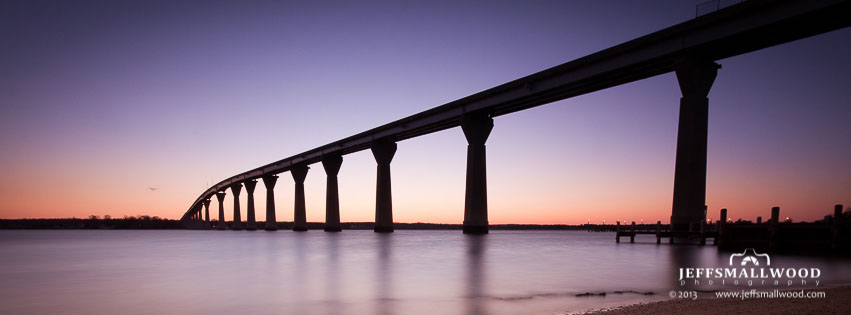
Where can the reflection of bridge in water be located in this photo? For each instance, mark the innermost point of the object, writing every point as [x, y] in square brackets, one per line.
[689, 49]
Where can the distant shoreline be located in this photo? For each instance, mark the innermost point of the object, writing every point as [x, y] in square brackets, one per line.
[155, 223]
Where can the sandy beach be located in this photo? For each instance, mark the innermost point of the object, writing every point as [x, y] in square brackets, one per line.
[837, 301]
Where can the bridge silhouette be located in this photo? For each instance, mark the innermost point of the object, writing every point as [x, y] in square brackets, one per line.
[690, 49]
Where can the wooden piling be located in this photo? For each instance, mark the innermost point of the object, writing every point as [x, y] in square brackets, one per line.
[618, 232]
[772, 228]
[722, 226]
[632, 235]
[837, 227]
[670, 234]
[717, 235]
[658, 232]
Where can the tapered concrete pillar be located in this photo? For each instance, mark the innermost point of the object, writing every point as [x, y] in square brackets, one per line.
[271, 220]
[236, 225]
[383, 151]
[206, 210]
[222, 225]
[299, 173]
[477, 128]
[332, 197]
[695, 77]
[250, 223]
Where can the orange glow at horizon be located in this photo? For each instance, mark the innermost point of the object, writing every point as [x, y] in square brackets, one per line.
[518, 193]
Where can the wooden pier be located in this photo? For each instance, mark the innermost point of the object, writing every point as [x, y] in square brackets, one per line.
[664, 231]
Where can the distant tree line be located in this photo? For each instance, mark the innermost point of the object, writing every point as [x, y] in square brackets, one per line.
[94, 222]
[155, 222]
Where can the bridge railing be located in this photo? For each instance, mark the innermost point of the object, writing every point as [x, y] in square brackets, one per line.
[710, 6]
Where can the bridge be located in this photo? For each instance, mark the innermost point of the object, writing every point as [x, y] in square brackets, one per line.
[690, 49]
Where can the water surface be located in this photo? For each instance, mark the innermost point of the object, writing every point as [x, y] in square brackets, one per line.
[353, 272]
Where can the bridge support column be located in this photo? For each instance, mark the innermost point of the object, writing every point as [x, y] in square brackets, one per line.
[332, 198]
[237, 219]
[271, 222]
[695, 77]
[299, 173]
[477, 128]
[250, 224]
[383, 151]
[207, 212]
[222, 225]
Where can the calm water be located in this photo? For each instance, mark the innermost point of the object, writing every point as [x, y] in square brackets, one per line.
[353, 272]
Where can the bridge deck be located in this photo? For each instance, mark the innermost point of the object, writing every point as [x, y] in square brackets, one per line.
[735, 30]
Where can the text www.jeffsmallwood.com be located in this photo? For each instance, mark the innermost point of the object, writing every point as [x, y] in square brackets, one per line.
[775, 294]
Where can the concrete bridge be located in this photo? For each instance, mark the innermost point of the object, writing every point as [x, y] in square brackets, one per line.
[690, 49]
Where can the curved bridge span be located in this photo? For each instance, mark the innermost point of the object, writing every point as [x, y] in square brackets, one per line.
[690, 49]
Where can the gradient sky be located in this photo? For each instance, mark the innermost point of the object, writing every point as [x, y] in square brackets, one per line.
[101, 99]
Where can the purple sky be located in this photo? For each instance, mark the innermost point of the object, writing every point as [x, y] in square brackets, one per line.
[101, 99]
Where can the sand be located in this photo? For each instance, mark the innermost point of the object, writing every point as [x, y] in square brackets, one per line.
[838, 301]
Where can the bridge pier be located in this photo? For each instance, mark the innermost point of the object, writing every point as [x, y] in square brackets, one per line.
[207, 212]
[383, 151]
[250, 224]
[299, 173]
[332, 164]
[237, 219]
[271, 222]
[695, 77]
[477, 128]
[222, 225]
